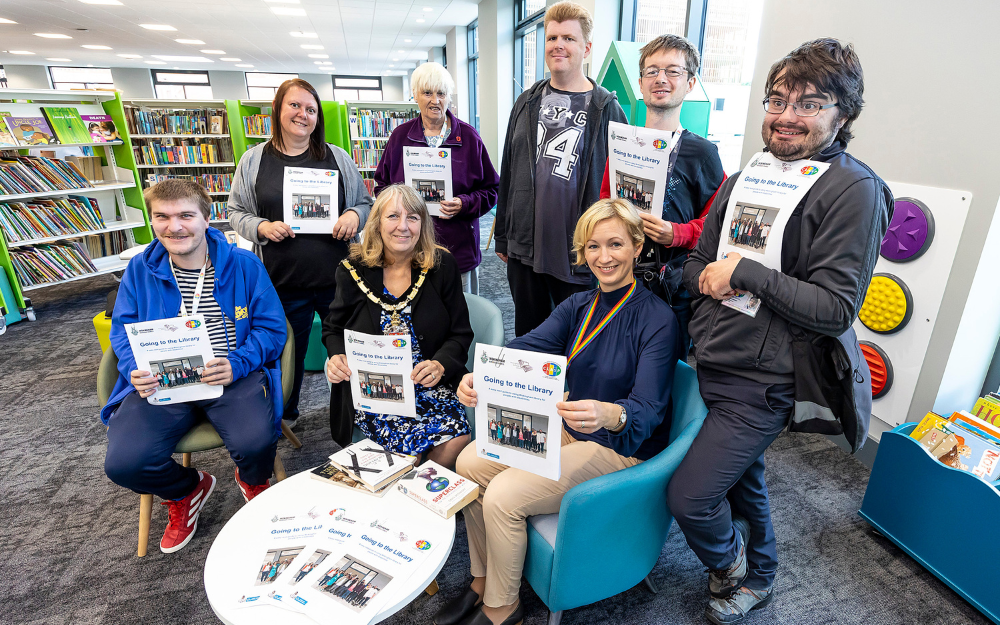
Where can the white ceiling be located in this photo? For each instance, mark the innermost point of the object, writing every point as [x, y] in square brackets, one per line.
[361, 36]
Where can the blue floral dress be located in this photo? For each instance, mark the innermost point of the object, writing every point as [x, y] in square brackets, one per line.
[440, 416]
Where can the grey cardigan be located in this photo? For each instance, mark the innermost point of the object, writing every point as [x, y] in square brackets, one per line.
[244, 215]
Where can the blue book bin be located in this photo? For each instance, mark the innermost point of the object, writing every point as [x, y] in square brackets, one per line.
[946, 519]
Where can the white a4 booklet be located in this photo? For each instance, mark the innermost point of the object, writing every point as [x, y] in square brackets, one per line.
[175, 351]
[428, 170]
[639, 164]
[380, 373]
[310, 199]
[516, 419]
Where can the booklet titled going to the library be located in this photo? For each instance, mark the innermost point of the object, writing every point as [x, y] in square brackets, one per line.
[175, 351]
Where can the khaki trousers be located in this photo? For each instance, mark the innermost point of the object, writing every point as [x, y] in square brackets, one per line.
[497, 521]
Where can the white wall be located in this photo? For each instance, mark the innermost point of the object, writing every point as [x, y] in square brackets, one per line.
[605, 31]
[496, 73]
[27, 76]
[458, 67]
[134, 82]
[392, 89]
[928, 72]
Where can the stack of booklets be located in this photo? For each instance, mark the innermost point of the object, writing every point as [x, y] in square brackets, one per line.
[370, 123]
[42, 264]
[49, 217]
[38, 174]
[963, 441]
[257, 125]
[147, 121]
[364, 466]
[183, 152]
[441, 491]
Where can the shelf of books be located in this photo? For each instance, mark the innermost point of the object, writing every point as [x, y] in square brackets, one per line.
[68, 206]
[370, 124]
[187, 139]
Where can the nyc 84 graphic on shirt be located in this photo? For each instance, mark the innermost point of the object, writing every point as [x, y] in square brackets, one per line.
[175, 351]
[639, 164]
[516, 420]
[310, 199]
[762, 201]
[428, 170]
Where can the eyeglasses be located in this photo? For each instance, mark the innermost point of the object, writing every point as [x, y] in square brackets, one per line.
[671, 72]
[777, 106]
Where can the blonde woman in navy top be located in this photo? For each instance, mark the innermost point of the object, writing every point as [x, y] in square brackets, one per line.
[619, 388]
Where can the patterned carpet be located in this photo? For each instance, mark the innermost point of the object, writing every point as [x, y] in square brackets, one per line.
[70, 535]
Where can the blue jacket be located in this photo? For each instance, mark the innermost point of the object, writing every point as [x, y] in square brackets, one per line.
[244, 292]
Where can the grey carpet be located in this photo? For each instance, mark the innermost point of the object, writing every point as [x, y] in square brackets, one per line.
[68, 535]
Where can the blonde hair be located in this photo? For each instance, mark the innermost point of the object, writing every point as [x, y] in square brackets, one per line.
[371, 251]
[432, 77]
[567, 10]
[608, 208]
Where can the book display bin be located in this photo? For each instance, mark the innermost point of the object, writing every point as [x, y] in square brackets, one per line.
[919, 503]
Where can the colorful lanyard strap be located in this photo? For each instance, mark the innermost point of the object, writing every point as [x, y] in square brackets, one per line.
[582, 342]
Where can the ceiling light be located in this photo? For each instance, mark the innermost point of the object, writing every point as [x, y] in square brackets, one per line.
[302, 35]
[50, 58]
[407, 41]
[157, 27]
[130, 56]
[395, 59]
[282, 1]
[91, 46]
[212, 51]
[420, 21]
[243, 65]
[319, 56]
[311, 46]
[155, 63]
[391, 65]
[19, 52]
[288, 11]
[53, 36]
[182, 59]
[90, 64]
[428, 9]
[193, 42]
[230, 58]
[114, 2]
[323, 62]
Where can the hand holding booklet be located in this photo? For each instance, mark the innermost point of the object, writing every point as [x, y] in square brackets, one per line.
[175, 351]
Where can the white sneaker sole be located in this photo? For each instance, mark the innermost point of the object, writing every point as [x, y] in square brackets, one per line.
[201, 507]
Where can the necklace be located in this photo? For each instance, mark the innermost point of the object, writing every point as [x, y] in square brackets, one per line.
[396, 324]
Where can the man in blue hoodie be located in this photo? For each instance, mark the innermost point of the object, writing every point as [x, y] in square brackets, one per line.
[192, 269]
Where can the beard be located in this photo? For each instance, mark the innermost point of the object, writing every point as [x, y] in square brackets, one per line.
[812, 141]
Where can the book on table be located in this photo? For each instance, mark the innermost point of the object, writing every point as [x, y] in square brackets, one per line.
[372, 464]
[329, 473]
[441, 491]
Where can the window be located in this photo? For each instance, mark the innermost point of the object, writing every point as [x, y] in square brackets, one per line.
[181, 85]
[659, 17]
[364, 88]
[263, 86]
[474, 72]
[529, 43]
[81, 78]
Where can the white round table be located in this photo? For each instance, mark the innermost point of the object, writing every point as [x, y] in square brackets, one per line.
[232, 549]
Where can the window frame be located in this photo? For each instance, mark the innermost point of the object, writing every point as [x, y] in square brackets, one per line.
[523, 24]
[156, 82]
[336, 88]
[694, 21]
[472, 31]
[86, 85]
[246, 81]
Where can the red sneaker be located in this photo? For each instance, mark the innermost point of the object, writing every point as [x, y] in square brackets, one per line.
[182, 515]
[249, 490]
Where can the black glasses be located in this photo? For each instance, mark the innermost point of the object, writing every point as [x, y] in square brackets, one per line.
[671, 72]
[777, 106]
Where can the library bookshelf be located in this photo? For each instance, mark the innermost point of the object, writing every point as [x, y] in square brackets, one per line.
[369, 125]
[117, 222]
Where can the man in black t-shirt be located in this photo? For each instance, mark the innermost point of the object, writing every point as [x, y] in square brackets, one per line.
[551, 171]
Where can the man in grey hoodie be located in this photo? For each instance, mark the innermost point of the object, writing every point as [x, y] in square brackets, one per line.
[745, 368]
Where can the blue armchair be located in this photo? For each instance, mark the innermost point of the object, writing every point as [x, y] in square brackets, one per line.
[627, 508]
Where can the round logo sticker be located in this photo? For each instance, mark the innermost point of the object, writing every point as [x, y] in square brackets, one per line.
[437, 484]
[809, 170]
[551, 369]
[330, 173]
[193, 323]
[659, 144]
[443, 154]
[423, 545]
[399, 343]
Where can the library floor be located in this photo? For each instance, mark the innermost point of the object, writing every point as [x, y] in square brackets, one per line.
[69, 535]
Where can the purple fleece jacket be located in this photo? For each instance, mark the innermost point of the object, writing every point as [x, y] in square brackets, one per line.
[473, 179]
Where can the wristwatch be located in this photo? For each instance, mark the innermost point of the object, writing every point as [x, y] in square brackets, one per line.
[621, 421]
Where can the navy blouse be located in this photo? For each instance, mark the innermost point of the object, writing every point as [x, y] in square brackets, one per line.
[630, 363]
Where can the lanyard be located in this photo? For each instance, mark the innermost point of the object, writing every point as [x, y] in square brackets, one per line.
[582, 342]
[197, 288]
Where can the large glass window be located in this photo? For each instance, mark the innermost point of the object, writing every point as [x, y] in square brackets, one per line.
[474, 73]
[81, 78]
[529, 43]
[364, 88]
[182, 85]
[659, 17]
[263, 86]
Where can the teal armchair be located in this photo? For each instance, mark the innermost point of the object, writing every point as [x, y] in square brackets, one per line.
[610, 530]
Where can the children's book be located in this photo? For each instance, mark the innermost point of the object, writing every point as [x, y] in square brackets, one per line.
[30, 130]
[6, 138]
[66, 123]
[101, 128]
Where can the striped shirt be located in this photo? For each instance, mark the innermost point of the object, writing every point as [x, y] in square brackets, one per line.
[221, 330]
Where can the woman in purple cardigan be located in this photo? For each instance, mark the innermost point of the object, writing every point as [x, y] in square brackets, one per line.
[473, 178]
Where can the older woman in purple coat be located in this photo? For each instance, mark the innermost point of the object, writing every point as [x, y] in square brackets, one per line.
[474, 180]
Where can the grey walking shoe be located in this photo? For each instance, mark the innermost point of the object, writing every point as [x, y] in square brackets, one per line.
[724, 582]
[736, 607]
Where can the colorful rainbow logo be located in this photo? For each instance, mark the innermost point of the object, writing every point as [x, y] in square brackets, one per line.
[399, 343]
[443, 154]
[330, 173]
[423, 545]
[192, 323]
[809, 170]
[551, 369]
[659, 144]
